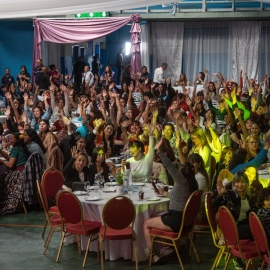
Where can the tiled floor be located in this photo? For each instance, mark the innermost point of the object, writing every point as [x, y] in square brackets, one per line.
[21, 247]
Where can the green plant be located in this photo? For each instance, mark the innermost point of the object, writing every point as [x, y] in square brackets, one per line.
[120, 179]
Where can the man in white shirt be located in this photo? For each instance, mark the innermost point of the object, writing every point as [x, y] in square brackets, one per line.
[158, 75]
[87, 77]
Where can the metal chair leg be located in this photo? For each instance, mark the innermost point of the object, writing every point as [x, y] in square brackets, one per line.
[86, 251]
[178, 255]
[61, 244]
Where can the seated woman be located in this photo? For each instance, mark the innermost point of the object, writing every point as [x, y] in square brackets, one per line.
[99, 166]
[37, 114]
[240, 156]
[263, 211]
[184, 184]
[11, 183]
[34, 144]
[140, 163]
[77, 170]
[252, 146]
[239, 202]
[254, 184]
[48, 139]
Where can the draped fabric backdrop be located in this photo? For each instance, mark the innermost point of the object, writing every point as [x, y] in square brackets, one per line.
[206, 45]
[145, 46]
[167, 42]
[245, 48]
[264, 66]
[71, 31]
[135, 44]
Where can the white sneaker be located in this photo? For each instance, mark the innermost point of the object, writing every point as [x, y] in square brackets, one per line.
[155, 257]
[166, 251]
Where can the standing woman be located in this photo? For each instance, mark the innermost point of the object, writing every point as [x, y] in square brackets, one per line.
[11, 183]
[48, 139]
[126, 76]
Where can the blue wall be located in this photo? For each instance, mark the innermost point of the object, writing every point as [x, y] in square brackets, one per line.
[114, 42]
[16, 46]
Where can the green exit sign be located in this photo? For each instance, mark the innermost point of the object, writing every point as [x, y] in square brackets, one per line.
[93, 15]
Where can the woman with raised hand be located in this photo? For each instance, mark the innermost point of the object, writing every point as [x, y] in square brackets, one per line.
[184, 184]
[37, 115]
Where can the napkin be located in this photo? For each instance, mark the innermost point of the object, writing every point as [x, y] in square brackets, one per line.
[110, 189]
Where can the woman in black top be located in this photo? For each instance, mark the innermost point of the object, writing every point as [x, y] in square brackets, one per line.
[76, 170]
[98, 165]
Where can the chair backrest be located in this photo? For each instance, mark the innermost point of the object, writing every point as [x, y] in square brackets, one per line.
[69, 207]
[52, 181]
[43, 198]
[210, 213]
[228, 226]
[192, 208]
[118, 213]
[258, 233]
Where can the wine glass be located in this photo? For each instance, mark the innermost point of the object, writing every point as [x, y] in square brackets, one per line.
[111, 178]
[87, 187]
[130, 192]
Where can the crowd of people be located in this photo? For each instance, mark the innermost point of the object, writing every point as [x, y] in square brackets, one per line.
[182, 133]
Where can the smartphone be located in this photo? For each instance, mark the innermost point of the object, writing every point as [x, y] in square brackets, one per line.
[155, 187]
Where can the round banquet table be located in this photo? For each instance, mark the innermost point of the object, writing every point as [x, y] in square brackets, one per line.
[144, 210]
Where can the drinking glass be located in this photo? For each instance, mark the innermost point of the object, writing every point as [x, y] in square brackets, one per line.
[111, 178]
[87, 187]
[130, 192]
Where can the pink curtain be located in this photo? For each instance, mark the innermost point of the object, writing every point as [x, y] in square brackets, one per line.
[135, 44]
[71, 31]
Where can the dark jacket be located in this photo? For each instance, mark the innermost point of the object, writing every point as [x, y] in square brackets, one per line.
[264, 216]
[72, 175]
[232, 201]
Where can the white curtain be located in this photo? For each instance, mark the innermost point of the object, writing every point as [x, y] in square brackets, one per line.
[145, 42]
[51, 53]
[206, 45]
[245, 48]
[264, 66]
[167, 43]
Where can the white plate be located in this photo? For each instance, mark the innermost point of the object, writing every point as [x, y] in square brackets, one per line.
[108, 184]
[153, 199]
[137, 184]
[160, 195]
[170, 187]
[260, 172]
[78, 192]
[94, 198]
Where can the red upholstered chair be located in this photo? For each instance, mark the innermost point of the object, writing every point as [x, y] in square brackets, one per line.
[260, 238]
[240, 249]
[71, 211]
[170, 238]
[54, 220]
[211, 217]
[118, 218]
[52, 181]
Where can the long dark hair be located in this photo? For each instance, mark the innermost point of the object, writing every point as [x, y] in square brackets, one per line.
[239, 157]
[20, 143]
[188, 171]
[263, 195]
[41, 113]
[196, 158]
[95, 154]
[110, 139]
[35, 138]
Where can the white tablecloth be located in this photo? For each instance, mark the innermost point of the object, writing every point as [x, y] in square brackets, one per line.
[144, 210]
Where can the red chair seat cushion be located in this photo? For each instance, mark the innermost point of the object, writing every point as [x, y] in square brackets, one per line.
[249, 251]
[54, 209]
[55, 220]
[166, 233]
[91, 227]
[112, 234]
